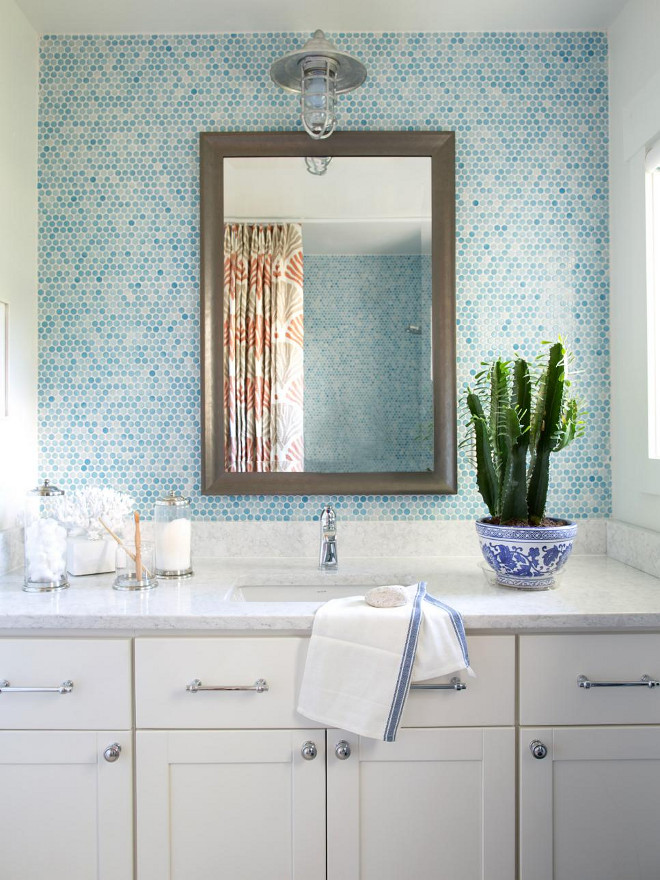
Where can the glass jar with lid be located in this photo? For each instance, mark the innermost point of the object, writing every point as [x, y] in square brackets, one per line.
[173, 525]
[45, 541]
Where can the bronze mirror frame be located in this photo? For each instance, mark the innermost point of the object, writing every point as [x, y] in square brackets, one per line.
[439, 146]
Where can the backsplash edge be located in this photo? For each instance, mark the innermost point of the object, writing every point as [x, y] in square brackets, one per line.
[370, 539]
[634, 546]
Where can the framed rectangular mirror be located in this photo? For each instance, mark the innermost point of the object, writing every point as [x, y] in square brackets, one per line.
[328, 313]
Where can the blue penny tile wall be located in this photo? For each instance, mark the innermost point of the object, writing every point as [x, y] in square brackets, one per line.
[119, 122]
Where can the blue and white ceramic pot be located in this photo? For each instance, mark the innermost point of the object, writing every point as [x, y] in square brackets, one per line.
[529, 557]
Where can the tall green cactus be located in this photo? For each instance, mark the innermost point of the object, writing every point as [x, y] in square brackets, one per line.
[526, 418]
[514, 503]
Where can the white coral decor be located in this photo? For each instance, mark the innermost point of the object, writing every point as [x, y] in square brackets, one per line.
[81, 511]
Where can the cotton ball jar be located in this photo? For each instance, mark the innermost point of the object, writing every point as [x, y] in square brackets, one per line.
[45, 541]
[173, 536]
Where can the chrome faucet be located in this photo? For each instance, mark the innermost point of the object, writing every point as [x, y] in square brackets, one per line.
[328, 555]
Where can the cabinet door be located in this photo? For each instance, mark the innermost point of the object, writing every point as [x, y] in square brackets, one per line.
[435, 804]
[65, 812]
[589, 808]
[230, 804]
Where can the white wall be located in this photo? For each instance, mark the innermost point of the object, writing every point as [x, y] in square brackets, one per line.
[18, 253]
[634, 44]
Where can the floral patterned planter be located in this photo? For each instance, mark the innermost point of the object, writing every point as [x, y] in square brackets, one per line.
[526, 558]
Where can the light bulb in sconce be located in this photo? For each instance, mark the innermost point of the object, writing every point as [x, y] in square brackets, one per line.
[318, 72]
[318, 98]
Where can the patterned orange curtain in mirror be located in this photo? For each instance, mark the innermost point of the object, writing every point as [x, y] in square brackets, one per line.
[263, 347]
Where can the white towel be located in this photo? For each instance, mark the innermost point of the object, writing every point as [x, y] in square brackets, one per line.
[362, 659]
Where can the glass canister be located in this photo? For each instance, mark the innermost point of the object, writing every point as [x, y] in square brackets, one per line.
[173, 518]
[45, 541]
[135, 572]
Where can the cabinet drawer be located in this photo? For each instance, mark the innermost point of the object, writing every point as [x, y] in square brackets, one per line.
[549, 670]
[164, 667]
[489, 698]
[100, 673]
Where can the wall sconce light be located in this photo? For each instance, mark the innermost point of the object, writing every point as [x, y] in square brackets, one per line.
[318, 72]
[317, 165]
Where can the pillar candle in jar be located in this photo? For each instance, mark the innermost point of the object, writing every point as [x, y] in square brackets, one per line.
[173, 540]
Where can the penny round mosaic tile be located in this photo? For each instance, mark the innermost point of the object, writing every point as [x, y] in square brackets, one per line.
[119, 123]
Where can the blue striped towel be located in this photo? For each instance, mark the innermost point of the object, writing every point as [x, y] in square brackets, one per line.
[361, 660]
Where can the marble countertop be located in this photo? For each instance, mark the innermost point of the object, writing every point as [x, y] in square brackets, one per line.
[595, 593]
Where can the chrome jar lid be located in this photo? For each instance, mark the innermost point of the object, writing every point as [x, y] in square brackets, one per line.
[46, 490]
[174, 500]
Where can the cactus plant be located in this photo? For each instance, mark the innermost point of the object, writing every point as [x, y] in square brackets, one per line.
[518, 417]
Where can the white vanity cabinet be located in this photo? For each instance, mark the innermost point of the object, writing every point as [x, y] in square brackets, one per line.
[589, 758]
[232, 782]
[247, 803]
[66, 790]
[231, 803]
[437, 803]
[235, 782]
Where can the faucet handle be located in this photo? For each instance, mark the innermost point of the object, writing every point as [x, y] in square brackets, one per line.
[328, 519]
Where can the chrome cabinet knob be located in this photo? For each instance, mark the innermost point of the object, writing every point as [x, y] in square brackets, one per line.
[308, 750]
[112, 753]
[538, 749]
[343, 750]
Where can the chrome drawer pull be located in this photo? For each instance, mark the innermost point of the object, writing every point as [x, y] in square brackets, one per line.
[65, 688]
[454, 685]
[645, 681]
[259, 686]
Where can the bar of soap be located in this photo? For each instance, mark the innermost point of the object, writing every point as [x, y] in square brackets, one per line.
[387, 597]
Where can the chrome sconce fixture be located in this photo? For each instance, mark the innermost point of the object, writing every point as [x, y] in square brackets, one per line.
[317, 165]
[318, 72]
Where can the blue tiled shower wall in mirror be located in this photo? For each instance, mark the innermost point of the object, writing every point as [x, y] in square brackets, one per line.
[372, 411]
[119, 239]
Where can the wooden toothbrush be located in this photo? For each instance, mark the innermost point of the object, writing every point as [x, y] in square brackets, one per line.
[123, 546]
[138, 547]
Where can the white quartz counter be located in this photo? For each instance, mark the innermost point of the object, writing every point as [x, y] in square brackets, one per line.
[595, 593]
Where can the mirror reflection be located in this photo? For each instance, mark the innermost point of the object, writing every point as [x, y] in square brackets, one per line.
[327, 362]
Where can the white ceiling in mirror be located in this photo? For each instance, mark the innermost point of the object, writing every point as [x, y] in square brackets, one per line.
[361, 187]
[225, 16]
[361, 205]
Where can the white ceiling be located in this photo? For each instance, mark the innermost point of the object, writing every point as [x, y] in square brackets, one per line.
[225, 16]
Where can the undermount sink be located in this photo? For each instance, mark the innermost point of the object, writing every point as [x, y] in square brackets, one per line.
[297, 592]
